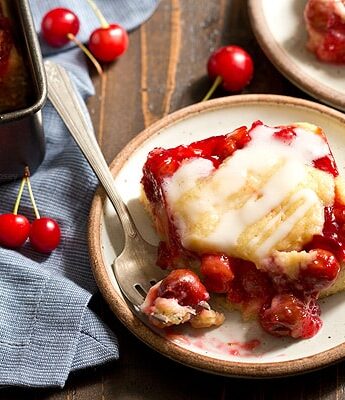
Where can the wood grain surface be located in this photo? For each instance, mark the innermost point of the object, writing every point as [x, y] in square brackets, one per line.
[165, 70]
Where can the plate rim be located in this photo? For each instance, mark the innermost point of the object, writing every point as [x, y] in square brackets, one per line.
[285, 64]
[119, 307]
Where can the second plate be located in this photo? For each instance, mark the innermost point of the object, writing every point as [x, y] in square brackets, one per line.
[235, 348]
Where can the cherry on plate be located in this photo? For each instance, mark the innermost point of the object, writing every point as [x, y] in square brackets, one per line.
[14, 230]
[45, 234]
[184, 286]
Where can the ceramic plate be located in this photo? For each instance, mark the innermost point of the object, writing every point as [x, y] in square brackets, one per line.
[236, 348]
[280, 30]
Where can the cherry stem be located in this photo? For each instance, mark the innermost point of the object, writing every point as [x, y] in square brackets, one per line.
[99, 15]
[87, 52]
[216, 83]
[19, 196]
[33, 202]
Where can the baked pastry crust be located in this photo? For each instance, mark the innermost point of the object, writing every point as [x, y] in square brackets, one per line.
[259, 214]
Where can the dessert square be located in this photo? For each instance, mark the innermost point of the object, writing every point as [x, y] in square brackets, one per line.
[258, 216]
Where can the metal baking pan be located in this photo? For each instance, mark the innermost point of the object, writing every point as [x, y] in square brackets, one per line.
[21, 132]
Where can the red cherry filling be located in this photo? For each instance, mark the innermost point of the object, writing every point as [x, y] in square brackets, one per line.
[162, 163]
[326, 164]
[286, 306]
[333, 234]
[184, 286]
[333, 47]
[289, 316]
[255, 283]
[250, 288]
[217, 273]
[330, 46]
[286, 135]
[172, 256]
[319, 273]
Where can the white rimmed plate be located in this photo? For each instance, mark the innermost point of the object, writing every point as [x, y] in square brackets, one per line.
[280, 30]
[236, 348]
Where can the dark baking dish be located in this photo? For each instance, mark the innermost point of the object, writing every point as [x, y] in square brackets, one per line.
[21, 132]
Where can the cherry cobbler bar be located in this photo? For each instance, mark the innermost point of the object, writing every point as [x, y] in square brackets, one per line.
[325, 24]
[255, 216]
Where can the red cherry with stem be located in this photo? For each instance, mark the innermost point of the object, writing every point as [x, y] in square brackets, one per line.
[14, 228]
[60, 26]
[57, 24]
[108, 42]
[230, 66]
[45, 234]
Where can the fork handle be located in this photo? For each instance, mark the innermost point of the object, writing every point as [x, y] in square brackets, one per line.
[61, 93]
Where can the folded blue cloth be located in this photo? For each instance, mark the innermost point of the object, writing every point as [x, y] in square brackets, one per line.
[46, 326]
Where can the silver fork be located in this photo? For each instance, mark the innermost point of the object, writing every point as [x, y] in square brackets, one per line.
[135, 268]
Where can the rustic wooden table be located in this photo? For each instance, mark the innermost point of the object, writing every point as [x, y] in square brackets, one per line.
[164, 70]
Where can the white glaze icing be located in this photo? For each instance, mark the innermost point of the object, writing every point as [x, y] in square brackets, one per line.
[198, 193]
[309, 198]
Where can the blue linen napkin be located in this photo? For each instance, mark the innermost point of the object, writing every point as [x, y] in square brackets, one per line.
[46, 326]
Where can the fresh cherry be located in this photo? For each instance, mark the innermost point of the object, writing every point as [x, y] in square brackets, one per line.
[61, 25]
[14, 230]
[108, 43]
[45, 234]
[230, 66]
[57, 25]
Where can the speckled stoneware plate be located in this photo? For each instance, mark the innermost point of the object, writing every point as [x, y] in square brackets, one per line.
[280, 30]
[236, 348]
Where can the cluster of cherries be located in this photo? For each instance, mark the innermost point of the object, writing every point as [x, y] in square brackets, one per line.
[106, 43]
[229, 66]
[43, 233]
[59, 26]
